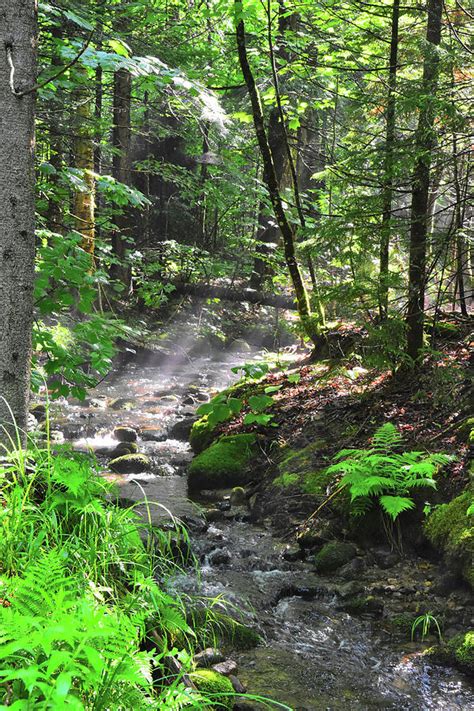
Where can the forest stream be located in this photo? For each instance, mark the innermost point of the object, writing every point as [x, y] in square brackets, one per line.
[315, 655]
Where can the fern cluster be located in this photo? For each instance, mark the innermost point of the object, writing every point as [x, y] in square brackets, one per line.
[385, 475]
[79, 595]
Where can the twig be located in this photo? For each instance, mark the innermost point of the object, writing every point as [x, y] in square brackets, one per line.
[35, 87]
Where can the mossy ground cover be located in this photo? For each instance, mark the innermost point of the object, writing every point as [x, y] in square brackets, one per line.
[458, 651]
[226, 462]
[217, 687]
[451, 529]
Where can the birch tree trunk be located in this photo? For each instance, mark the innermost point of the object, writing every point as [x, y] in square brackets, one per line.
[84, 202]
[17, 240]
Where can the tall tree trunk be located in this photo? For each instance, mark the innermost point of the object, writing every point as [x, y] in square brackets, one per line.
[17, 238]
[424, 142]
[271, 181]
[267, 230]
[387, 192]
[121, 140]
[84, 202]
[55, 214]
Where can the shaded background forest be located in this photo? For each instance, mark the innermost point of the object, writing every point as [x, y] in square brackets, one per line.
[149, 169]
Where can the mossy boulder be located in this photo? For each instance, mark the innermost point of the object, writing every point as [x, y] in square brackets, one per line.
[130, 464]
[124, 448]
[459, 651]
[125, 434]
[216, 686]
[333, 556]
[451, 529]
[201, 434]
[225, 463]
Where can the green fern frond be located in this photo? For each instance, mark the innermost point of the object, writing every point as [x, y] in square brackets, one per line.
[387, 437]
[395, 505]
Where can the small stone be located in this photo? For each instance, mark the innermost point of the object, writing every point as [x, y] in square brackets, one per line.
[213, 515]
[169, 398]
[125, 434]
[385, 558]
[239, 346]
[124, 448]
[333, 556]
[350, 589]
[226, 668]
[181, 429]
[122, 403]
[238, 497]
[293, 554]
[202, 396]
[38, 410]
[239, 688]
[352, 570]
[363, 605]
[153, 434]
[208, 657]
[445, 583]
[221, 556]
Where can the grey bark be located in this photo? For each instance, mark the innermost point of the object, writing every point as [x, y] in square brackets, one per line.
[121, 140]
[17, 241]
[424, 142]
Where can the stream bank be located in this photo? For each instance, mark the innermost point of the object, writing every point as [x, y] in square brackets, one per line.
[319, 651]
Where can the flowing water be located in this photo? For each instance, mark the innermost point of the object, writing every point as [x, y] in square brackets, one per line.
[315, 656]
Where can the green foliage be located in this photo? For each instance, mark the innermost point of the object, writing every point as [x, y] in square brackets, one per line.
[382, 474]
[79, 593]
[426, 623]
[385, 345]
[72, 353]
[61, 648]
[229, 403]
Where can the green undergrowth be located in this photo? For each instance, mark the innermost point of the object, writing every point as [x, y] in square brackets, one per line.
[217, 628]
[222, 408]
[450, 528]
[225, 463]
[83, 622]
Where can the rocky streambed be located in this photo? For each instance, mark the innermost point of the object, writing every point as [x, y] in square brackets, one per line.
[330, 641]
